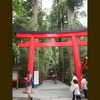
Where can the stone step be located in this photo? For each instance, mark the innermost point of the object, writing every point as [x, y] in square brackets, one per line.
[42, 98]
[46, 91]
[49, 77]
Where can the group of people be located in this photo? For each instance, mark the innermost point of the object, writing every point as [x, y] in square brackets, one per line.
[75, 84]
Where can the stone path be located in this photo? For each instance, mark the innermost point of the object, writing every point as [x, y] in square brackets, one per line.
[47, 91]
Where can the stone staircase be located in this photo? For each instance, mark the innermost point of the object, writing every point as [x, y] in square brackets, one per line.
[49, 77]
[46, 91]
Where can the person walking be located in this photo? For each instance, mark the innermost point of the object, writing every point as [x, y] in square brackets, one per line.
[74, 76]
[29, 84]
[76, 91]
[55, 78]
[72, 86]
[84, 86]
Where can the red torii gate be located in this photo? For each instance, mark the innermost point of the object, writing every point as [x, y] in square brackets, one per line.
[33, 35]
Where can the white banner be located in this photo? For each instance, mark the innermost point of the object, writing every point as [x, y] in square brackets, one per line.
[14, 75]
[36, 78]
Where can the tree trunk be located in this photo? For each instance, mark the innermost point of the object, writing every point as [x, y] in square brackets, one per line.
[61, 59]
[61, 48]
[71, 26]
[35, 15]
[60, 63]
[70, 17]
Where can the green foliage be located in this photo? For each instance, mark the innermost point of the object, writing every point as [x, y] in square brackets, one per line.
[78, 25]
[28, 8]
[55, 56]
[83, 53]
[85, 73]
[23, 23]
[57, 15]
[42, 24]
[18, 8]
[16, 53]
[75, 3]
[83, 14]
[15, 49]
[44, 60]
[67, 76]
[23, 60]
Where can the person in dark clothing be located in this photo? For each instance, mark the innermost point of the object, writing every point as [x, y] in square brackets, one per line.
[55, 78]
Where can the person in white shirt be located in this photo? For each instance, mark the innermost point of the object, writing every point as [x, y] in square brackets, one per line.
[74, 76]
[84, 86]
[72, 82]
[76, 92]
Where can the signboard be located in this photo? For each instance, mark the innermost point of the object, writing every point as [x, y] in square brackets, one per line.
[14, 75]
[36, 78]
